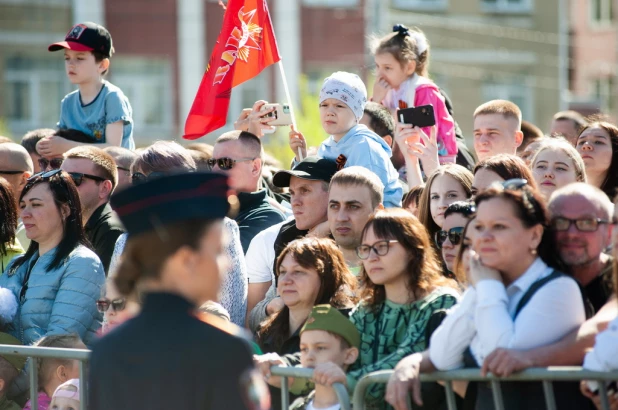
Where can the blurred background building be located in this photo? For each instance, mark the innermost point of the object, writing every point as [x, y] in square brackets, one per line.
[544, 55]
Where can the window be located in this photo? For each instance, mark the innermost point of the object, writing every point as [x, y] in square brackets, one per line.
[603, 91]
[517, 90]
[34, 88]
[331, 3]
[147, 85]
[421, 5]
[506, 6]
[601, 11]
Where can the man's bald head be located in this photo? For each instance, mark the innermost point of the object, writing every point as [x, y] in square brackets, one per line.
[14, 157]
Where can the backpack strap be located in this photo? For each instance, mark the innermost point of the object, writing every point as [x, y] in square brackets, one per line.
[534, 288]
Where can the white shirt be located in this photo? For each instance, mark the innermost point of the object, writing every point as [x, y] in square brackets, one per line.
[484, 321]
[604, 356]
[260, 256]
[310, 406]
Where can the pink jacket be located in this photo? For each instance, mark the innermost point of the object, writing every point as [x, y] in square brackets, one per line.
[417, 91]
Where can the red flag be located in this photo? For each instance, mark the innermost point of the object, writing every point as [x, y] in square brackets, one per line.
[246, 45]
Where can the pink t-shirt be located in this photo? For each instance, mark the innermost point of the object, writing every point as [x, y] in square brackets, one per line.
[43, 399]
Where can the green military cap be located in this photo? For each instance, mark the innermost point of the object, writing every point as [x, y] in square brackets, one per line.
[326, 317]
[17, 361]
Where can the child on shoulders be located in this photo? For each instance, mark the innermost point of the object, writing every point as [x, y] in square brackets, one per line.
[402, 81]
[97, 108]
[342, 102]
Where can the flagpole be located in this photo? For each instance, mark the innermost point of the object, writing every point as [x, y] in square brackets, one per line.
[286, 89]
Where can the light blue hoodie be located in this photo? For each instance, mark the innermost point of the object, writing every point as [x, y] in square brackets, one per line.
[365, 148]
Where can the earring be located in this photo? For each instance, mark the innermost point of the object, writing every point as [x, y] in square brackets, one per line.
[533, 251]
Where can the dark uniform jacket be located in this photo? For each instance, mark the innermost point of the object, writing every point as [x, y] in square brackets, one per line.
[166, 358]
[102, 230]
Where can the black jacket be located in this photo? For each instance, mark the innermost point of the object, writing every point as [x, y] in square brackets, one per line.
[166, 358]
[102, 230]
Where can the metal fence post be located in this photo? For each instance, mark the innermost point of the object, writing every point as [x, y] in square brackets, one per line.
[603, 395]
[285, 393]
[550, 399]
[496, 390]
[34, 385]
[450, 395]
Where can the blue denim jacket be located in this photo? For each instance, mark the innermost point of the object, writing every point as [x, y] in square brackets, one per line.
[58, 301]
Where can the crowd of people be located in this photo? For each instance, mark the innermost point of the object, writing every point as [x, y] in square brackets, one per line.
[388, 247]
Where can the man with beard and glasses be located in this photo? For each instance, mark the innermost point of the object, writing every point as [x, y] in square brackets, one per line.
[581, 215]
[95, 175]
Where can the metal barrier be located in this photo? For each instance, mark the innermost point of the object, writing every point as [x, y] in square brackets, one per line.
[544, 375]
[50, 352]
[340, 389]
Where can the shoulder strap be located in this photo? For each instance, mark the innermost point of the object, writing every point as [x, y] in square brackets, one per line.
[534, 288]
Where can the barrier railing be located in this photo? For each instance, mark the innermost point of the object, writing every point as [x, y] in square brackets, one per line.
[544, 375]
[49, 352]
[340, 389]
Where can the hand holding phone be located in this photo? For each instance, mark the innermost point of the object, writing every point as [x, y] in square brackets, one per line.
[280, 114]
[422, 116]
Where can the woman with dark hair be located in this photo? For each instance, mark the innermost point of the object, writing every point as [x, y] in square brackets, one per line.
[9, 244]
[311, 271]
[598, 145]
[58, 280]
[403, 289]
[168, 157]
[499, 168]
[517, 299]
[449, 239]
[447, 184]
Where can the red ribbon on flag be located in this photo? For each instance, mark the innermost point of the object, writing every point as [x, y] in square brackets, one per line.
[246, 45]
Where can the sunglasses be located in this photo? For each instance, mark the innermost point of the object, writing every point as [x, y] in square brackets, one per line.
[454, 235]
[561, 224]
[139, 177]
[41, 177]
[381, 248]
[11, 172]
[53, 163]
[117, 305]
[225, 163]
[78, 178]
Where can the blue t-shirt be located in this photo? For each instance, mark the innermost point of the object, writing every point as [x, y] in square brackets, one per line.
[109, 106]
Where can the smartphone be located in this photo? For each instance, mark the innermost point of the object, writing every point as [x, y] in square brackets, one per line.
[281, 114]
[421, 117]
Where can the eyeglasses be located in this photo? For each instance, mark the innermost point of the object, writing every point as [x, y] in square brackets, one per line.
[225, 163]
[454, 235]
[561, 224]
[12, 172]
[117, 305]
[78, 178]
[124, 169]
[53, 163]
[381, 248]
[139, 177]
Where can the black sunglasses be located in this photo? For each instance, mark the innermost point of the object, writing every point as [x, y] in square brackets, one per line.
[454, 235]
[124, 169]
[11, 172]
[117, 305]
[78, 178]
[140, 177]
[53, 163]
[41, 177]
[225, 163]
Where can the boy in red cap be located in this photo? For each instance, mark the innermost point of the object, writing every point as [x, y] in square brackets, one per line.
[97, 108]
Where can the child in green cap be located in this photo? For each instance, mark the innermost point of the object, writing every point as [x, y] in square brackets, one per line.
[329, 342]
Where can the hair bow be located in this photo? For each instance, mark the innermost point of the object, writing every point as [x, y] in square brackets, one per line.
[401, 29]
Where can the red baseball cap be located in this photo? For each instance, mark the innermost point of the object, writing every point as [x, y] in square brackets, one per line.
[86, 37]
